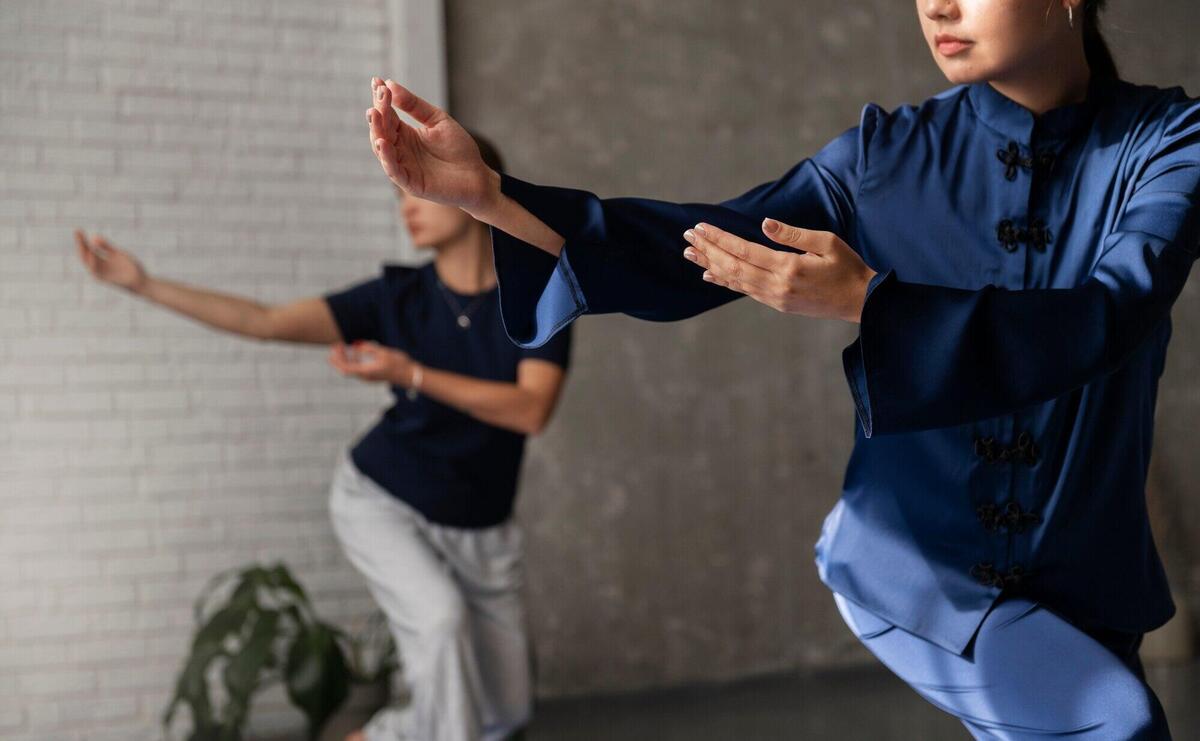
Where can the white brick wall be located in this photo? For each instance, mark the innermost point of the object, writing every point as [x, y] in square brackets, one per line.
[224, 144]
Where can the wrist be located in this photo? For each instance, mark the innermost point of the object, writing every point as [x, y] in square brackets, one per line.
[492, 200]
[416, 377]
[860, 295]
[141, 287]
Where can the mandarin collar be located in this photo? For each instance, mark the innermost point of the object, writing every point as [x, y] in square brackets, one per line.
[1017, 122]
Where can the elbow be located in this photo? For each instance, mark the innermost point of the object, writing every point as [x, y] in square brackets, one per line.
[535, 423]
[261, 325]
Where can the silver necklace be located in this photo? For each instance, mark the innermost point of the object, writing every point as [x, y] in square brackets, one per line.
[464, 315]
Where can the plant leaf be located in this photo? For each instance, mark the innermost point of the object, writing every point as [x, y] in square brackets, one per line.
[316, 675]
[206, 592]
[191, 688]
[282, 578]
[209, 643]
[244, 668]
[224, 622]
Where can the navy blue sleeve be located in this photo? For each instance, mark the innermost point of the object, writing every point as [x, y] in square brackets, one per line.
[626, 254]
[931, 356]
[556, 350]
[357, 310]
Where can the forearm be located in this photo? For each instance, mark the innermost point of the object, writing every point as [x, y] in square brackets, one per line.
[220, 311]
[497, 403]
[621, 255]
[510, 217]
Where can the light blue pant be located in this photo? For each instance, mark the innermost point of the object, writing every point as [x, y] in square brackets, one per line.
[1029, 674]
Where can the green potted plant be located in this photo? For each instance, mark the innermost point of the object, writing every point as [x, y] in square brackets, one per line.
[256, 626]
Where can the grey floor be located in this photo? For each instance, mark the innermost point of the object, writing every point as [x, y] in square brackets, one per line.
[864, 703]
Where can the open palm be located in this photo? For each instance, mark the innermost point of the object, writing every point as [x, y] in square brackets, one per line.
[438, 160]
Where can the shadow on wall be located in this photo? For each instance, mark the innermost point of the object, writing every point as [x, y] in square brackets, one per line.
[1175, 642]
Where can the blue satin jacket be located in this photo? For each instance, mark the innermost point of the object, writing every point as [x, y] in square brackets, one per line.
[1008, 358]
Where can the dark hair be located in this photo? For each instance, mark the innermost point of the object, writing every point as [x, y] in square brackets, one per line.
[487, 150]
[1095, 48]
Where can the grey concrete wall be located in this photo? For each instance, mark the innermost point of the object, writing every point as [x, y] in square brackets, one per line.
[1160, 47]
[674, 504]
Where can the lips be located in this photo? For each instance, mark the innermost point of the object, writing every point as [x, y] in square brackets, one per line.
[948, 45]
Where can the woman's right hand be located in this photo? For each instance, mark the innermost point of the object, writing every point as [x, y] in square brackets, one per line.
[437, 161]
[109, 264]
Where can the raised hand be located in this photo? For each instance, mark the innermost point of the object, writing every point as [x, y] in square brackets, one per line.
[109, 264]
[436, 160]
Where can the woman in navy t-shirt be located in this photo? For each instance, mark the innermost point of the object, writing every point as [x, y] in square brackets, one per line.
[423, 502]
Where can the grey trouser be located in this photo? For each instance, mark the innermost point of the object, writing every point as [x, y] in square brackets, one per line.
[452, 597]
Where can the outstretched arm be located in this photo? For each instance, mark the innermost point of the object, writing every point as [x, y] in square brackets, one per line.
[305, 321]
[599, 255]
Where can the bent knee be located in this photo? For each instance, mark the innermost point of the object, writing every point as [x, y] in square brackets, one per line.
[1130, 711]
[445, 615]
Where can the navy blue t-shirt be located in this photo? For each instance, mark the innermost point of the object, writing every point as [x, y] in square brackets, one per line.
[451, 467]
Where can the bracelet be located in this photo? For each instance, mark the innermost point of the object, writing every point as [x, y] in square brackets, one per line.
[414, 383]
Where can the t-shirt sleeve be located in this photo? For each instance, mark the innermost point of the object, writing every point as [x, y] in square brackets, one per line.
[357, 309]
[557, 349]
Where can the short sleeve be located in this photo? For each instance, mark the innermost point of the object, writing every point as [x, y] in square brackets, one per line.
[557, 349]
[357, 309]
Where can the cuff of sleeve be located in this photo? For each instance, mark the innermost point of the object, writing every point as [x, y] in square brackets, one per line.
[565, 210]
[854, 357]
[541, 294]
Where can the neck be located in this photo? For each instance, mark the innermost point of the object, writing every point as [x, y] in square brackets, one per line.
[465, 264]
[1039, 92]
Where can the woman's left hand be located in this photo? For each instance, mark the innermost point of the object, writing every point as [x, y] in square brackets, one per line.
[828, 280]
[370, 361]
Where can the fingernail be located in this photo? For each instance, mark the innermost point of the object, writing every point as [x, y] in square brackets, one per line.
[690, 254]
[690, 236]
[369, 114]
[770, 225]
[707, 276]
[700, 228]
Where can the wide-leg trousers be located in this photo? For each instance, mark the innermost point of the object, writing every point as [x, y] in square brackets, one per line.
[452, 598]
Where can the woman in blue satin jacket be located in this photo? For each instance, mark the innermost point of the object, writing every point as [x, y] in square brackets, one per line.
[1011, 249]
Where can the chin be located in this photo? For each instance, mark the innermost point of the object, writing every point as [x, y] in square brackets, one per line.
[420, 240]
[962, 74]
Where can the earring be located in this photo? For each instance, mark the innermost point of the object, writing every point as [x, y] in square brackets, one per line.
[1071, 16]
